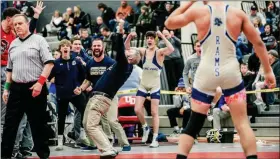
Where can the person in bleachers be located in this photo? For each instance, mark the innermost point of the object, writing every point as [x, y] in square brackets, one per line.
[109, 49]
[174, 63]
[125, 9]
[247, 76]
[143, 24]
[97, 26]
[69, 12]
[85, 39]
[66, 29]
[137, 7]
[271, 44]
[260, 84]
[241, 49]
[55, 24]
[255, 13]
[191, 67]
[114, 24]
[182, 109]
[79, 19]
[222, 112]
[107, 13]
[277, 32]
[272, 14]
[268, 31]
[258, 25]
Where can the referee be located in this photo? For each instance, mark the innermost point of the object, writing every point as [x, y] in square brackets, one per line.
[29, 64]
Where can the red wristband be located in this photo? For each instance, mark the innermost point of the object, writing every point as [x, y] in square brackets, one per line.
[42, 80]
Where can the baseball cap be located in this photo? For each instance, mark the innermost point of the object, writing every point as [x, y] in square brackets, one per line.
[270, 41]
[273, 53]
[253, 7]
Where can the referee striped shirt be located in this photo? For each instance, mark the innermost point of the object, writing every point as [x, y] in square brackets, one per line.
[27, 57]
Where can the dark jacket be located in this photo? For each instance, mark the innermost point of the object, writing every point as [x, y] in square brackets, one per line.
[68, 75]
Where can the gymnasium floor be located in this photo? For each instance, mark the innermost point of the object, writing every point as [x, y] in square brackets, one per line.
[269, 150]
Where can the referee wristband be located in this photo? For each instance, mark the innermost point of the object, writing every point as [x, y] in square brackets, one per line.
[42, 80]
[7, 86]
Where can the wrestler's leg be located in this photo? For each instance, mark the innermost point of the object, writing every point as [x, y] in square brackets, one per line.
[238, 110]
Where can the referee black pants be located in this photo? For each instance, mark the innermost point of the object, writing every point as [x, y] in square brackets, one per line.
[20, 101]
[78, 101]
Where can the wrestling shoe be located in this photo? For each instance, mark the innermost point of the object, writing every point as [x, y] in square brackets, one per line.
[146, 132]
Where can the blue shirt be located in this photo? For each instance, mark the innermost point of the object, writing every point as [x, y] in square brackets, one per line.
[221, 102]
[94, 70]
[116, 75]
[68, 74]
[85, 57]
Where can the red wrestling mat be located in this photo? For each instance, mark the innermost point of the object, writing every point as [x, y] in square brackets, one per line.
[206, 155]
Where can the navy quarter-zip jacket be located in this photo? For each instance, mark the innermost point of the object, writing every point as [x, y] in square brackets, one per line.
[68, 74]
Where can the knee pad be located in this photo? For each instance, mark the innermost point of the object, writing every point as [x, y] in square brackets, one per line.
[195, 124]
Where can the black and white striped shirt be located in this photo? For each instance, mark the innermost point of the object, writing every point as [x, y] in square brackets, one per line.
[27, 58]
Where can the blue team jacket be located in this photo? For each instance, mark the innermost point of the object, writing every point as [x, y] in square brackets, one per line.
[68, 74]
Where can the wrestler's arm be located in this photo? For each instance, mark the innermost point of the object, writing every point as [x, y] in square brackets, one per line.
[254, 37]
[127, 43]
[181, 16]
[169, 47]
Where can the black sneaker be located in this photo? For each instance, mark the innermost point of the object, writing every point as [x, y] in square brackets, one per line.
[266, 107]
[26, 153]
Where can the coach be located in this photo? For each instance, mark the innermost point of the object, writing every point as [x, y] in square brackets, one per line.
[29, 65]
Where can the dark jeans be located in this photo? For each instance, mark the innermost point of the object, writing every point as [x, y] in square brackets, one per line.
[78, 101]
[174, 113]
[21, 101]
[174, 69]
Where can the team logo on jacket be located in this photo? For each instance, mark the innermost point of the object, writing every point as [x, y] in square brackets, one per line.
[73, 63]
[4, 45]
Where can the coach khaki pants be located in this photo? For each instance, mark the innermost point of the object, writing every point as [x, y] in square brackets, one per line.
[96, 107]
[117, 128]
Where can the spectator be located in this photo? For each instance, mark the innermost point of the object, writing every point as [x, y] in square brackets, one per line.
[107, 13]
[255, 13]
[268, 31]
[220, 113]
[272, 44]
[272, 14]
[125, 9]
[69, 11]
[137, 7]
[182, 108]
[247, 76]
[114, 24]
[173, 63]
[277, 32]
[273, 56]
[99, 24]
[258, 25]
[66, 29]
[143, 24]
[191, 66]
[55, 25]
[241, 49]
[85, 39]
[79, 19]
[108, 47]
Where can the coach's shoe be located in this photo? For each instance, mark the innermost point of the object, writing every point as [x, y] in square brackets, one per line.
[108, 154]
[146, 132]
[59, 146]
[154, 144]
[126, 148]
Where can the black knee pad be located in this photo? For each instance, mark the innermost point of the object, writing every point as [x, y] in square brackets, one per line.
[195, 124]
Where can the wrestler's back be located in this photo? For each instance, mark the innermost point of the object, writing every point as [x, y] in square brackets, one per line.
[219, 65]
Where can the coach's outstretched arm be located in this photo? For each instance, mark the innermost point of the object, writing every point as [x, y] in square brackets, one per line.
[120, 58]
[259, 48]
[181, 16]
